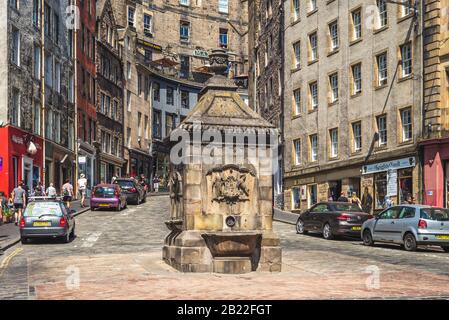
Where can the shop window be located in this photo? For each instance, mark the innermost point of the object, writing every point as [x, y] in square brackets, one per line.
[380, 182]
[295, 198]
[312, 195]
[405, 185]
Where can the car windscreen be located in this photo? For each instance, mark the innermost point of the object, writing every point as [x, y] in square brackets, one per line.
[351, 207]
[437, 214]
[37, 209]
[104, 192]
[125, 184]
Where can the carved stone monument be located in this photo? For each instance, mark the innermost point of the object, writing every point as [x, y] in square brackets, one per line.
[221, 184]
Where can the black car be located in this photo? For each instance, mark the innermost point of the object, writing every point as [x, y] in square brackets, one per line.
[132, 189]
[332, 219]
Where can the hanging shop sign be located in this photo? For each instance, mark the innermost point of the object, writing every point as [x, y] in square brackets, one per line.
[149, 45]
[389, 165]
[200, 53]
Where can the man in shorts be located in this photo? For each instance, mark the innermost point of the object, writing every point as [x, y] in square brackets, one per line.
[82, 187]
[67, 193]
[19, 200]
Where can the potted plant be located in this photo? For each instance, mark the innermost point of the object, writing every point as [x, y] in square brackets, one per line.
[8, 215]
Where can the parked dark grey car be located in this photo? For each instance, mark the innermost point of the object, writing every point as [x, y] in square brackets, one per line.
[132, 189]
[47, 218]
[332, 219]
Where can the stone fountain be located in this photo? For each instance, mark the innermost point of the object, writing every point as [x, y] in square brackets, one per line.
[221, 184]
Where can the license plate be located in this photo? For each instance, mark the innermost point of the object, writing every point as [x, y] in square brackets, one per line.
[441, 237]
[41, 224]
[356, 228]
[104, 205]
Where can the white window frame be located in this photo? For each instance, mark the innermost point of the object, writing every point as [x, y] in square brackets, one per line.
[406, 59]
[297, 151]
[131, 18]
[313, 87]
[297, 54]
[333, 81]
[297, 101]
[357, 136]
[382, 69]
[356, 70]
[16, 47]
[383, 13]
[313, 147]
[407, 125]
[296, 5]
[147, 27]
[334, 37]
[313, 41]
[382, 129]
[223, 6]
[356, 17]
[333, 134]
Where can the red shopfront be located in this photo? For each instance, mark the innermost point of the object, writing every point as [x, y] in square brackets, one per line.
[436, 172]
[17, 161]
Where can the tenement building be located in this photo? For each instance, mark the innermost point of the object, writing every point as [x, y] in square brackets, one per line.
[85, 90]
[109, 94]
[344, 130]
[266, 74]
[184, 31]
[435, 142]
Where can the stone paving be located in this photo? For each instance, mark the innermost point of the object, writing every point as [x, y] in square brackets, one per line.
[118, 256]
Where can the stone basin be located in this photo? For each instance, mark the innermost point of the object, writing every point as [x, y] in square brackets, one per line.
[232, 244]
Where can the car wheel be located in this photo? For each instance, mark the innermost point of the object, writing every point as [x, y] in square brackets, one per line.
[92, 208]
[300, 227]
[367, 238]
[410, 242]
[446, 249]
[24, 240]
[327, 232]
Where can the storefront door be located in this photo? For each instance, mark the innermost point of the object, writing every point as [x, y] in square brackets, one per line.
[27, 171]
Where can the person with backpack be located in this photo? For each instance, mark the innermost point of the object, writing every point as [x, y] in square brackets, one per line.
[67, 193]
[82, 187]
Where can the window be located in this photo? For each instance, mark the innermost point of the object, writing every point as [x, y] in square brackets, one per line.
[56, 26]
[297, 102]
[356, 24]
[296, 12]
[312, 5]
[57, 123]
[37, 117]
[139, 124]
[382, 72]
[128, 70]
[157, 124]
[297, 151]
[139, 84]
[15, 107]
[357, 136]
[156, 91]
[295, 198]
[313, 147]
[382, 129]
[356, 78]
[15, 54]
[170, 97]
[128, 100]
[169, 123]
[114, 109]
[128, 137]
[131, 16]
[313, 42]
[71, 89]
[147, 23]
[146, 127]
[49, 124]
[333, 82]
[184, 2]
[47, 20]
[383, 15]
[185, 66]
[184, 31]
[36, 12]
[333, 32]
[406, 123]
[405, 9]
[313, 87]
[297, 55]
[406, 59]
[333, 134]
[223, 41]
[223, 6]
[37, 62]
[49, 70]
[269, 8]
[58, 77]
[185, 99]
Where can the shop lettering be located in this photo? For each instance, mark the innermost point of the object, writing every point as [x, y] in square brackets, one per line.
[385, 166]
[17, 140]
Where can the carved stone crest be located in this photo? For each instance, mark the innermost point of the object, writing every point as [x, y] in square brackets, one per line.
[229, 184]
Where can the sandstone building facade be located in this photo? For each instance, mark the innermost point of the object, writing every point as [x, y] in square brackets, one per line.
[341, 58]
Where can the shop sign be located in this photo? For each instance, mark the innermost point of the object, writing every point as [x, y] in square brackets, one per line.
[304, 181]
[200, 53]
[392, 183]
[389, 165]
[17, 139]
[82, 160]
[149, 45]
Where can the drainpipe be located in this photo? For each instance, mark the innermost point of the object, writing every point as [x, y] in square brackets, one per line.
[75, 100]
[421, 154]
[43, 109]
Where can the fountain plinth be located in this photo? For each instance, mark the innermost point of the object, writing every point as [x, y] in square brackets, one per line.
[221, 187]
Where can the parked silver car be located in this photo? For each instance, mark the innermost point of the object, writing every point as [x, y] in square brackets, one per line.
[409, 226]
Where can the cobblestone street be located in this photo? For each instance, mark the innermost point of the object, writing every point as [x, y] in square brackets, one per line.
[118, 255]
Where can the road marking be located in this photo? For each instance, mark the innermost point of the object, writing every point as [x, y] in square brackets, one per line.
[91, 239]
[7, 260]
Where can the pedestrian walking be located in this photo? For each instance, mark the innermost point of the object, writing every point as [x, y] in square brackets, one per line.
[19, 200]
[367, 201]
[51, 191]
[82, 188]
[343, 197]
[67, 193]
[356, 200]
[27, 191]
[39, 190]
[156, 181]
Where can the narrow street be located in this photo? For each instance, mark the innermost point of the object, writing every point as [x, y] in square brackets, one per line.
[118, 256]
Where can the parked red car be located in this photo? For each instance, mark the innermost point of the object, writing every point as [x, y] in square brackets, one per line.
[108, 196]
